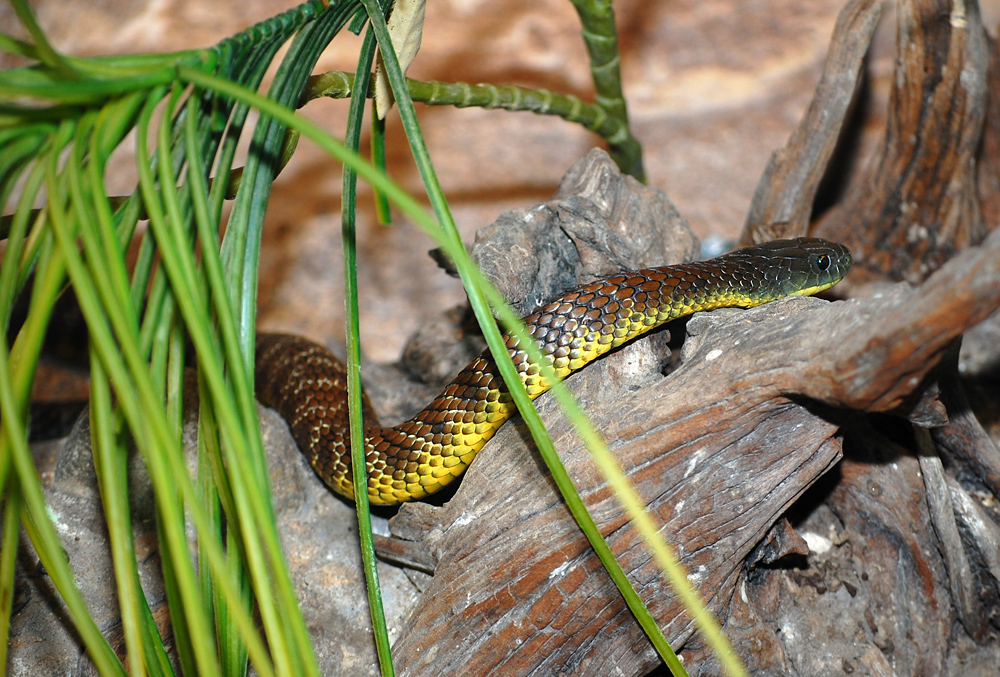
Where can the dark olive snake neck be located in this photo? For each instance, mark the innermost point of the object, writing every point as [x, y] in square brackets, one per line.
[308, 385]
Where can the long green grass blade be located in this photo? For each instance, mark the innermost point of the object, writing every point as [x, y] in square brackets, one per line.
[348, 212]
[43, 49]
[18, 47]
[110, 464]
[382, 212]
[11, 508]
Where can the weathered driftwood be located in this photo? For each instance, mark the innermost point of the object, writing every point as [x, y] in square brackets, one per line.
[718, 449]
[916, 203]
[912, 209]
[988, 162]
[930, 190]
[517, 590]
[963, 439]
[599, 223]
[783, 202]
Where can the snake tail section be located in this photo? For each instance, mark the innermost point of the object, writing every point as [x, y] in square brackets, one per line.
[307, 385]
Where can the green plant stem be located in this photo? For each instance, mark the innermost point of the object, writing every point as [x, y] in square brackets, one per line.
[383, 214]
[601, 38]
[403, 201]
[340, 85]
[348, 212]
[477, 289]
[11, 507]
[42, 48]
[109, 464]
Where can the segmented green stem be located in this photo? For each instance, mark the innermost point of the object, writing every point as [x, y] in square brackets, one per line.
[612, 128]
[601, 39]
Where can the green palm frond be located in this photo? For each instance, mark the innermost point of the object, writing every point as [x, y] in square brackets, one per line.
[61, 118]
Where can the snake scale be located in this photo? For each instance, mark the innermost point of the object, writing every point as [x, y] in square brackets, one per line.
[307, 385]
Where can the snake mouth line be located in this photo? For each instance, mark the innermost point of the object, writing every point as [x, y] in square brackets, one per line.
[811, 291]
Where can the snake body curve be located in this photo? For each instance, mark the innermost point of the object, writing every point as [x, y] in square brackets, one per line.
[307, 385]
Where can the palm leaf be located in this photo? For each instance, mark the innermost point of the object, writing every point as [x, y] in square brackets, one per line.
[60, 120]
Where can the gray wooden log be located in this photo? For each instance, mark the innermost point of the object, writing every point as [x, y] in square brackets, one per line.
[718, 449]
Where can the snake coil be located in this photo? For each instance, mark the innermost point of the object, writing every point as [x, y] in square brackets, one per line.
[308, 385]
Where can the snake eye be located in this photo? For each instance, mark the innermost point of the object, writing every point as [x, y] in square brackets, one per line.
[823, 261]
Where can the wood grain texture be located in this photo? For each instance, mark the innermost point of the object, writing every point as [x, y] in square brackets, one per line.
[783, 203]
[880, 499]
[988, 161]
[516, 586]
[718, 449]
[916, 205]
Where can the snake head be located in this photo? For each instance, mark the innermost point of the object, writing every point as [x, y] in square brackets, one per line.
[801, 266]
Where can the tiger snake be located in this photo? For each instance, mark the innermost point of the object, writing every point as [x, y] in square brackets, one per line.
[307, 385]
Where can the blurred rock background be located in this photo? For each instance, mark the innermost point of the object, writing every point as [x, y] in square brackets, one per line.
[713, 88]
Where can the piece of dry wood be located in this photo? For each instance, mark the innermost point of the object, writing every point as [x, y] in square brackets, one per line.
[783, 202]
[599, 223]
[988, 161]
[878, 586]
[964, 590]
[718, 450]
[517, 590]
[984, 530]
[963, 438]
[916, 205]
[880, 499]
[905, 332]
[912, 208]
